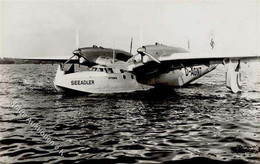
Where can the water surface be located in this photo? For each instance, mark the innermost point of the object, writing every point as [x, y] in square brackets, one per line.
[203, 122]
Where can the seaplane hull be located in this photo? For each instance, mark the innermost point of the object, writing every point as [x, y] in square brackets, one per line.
[102, 82]
[97, 82]
[180, 77]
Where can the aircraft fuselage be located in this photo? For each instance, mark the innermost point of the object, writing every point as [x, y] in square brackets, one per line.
[102, 79]
[179, 77]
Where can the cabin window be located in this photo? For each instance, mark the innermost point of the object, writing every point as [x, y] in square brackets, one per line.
[124, 76]
[122, 71]
[132, 76]
[110, 70]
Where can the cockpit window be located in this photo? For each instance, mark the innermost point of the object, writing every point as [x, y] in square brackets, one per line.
[110, 70]
[93, 69]
[101, 69]
[122, 56]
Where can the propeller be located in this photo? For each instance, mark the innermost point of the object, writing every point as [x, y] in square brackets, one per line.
[69, 59]
[114, 53]
[142, 51]
[188, 42]
[77, 52]
[81, 59]
[141, 35]
[131, 45]
[77, 39]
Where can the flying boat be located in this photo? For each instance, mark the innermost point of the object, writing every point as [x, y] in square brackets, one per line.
[111, 70]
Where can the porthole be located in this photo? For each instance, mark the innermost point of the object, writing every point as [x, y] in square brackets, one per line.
[124, 76]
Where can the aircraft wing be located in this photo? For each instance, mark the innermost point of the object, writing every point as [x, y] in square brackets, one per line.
[53, 59]
[207, 57]
[166, 62]
[48, 58]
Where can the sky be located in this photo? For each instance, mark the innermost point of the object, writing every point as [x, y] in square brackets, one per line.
[48, 28]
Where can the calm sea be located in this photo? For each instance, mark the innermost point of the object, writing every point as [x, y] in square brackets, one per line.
[203, 122]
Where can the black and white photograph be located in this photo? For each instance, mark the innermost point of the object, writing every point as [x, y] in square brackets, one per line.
[129, 81]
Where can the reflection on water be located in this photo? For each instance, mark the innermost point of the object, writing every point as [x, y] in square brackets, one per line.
[199, 123]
